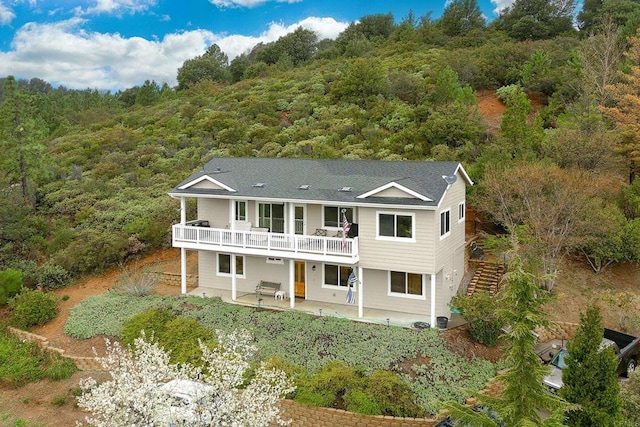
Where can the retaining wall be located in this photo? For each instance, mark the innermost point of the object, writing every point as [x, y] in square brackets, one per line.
[173, 279]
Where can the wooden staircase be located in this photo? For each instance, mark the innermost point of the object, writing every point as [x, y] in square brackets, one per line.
[486, 278]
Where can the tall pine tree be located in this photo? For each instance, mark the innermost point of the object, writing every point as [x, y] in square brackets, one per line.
[590, 378]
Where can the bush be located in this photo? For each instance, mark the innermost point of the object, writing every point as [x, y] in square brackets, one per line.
[393, 395]
[33, 308]
[179, 336]
[10, 284]
[480, 310]
[181, 340]
[52, 276]
[330, 383]
[152, 322]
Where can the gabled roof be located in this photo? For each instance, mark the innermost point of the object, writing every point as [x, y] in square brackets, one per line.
[355, 182]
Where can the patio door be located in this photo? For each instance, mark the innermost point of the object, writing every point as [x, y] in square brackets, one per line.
[300, 279]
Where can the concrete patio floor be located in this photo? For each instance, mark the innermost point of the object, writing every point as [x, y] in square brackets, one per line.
[370, 315]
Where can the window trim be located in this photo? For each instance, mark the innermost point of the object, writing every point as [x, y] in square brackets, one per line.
[238, 276]
[461, 212]
[406, 295]
[339, 227]
[448, 231]
[396, 238]
[325, 285]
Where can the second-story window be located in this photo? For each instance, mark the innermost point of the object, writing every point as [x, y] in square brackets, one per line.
[333, 216]
[461, 212]
[396, 225]
[445, 223]
[271, 216]
[241, 210]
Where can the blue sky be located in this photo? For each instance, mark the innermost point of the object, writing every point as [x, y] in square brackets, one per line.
[115, 44]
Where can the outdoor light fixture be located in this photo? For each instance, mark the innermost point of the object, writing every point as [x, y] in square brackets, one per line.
[313, 268]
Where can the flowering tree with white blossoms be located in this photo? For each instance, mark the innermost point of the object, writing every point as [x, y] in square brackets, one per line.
[138, 393]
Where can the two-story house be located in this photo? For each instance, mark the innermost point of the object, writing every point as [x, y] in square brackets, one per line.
[283, 220]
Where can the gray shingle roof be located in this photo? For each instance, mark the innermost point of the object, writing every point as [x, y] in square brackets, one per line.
[283, 177]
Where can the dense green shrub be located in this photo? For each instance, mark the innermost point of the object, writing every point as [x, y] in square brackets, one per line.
[52, 276]
[330, 383]
[392, 394]
[33, 308]
[152, 322]
[179, 336]
[480, 310]
[10, 284]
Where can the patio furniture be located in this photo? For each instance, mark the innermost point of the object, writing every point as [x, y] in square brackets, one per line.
[265, 287]
[320, 232]
[281, 295]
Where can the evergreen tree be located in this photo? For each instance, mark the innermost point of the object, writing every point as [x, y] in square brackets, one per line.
[461, 17]
[524, 395]
[590, 378]
[536, 19]
[588, 16]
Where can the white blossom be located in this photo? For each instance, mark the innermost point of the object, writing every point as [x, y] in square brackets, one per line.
[139, 391]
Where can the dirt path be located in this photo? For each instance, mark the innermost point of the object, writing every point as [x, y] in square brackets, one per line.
[35, 402]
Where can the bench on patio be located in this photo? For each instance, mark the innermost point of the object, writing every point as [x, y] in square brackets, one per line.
[265, 287]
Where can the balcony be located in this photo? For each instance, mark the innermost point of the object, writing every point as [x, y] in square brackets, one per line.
[259, 243]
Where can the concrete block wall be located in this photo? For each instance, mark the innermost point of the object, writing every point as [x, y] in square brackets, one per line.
[173, 279]
[557, 331]
[82, 363]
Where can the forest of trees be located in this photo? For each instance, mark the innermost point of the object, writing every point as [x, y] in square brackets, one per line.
[84, 175]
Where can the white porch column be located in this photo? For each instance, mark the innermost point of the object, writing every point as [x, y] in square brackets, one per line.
[291, 219]
[433, 300]
[232, 214]
[233, 277]
[292, 283]
[360, 292]
[183, 251]
[183, 271]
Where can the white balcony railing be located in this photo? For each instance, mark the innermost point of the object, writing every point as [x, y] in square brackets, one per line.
[203, 237]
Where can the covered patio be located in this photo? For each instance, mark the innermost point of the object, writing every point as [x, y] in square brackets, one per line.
[370, 315]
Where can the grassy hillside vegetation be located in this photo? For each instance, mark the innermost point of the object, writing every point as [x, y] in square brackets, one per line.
[85, 177]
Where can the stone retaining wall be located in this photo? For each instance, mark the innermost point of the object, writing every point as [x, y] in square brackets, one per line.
[557, 331]
[173, 279]
[83, 363]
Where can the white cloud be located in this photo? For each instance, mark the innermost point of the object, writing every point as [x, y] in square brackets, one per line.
[501, 4]
[326, 28]
[65, 53]
[6, 14]
[246, 3]
[116, 7]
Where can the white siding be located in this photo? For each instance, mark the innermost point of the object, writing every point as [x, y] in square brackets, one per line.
[449, 256]
[216, 211]
[413, 257]
[255, 268]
